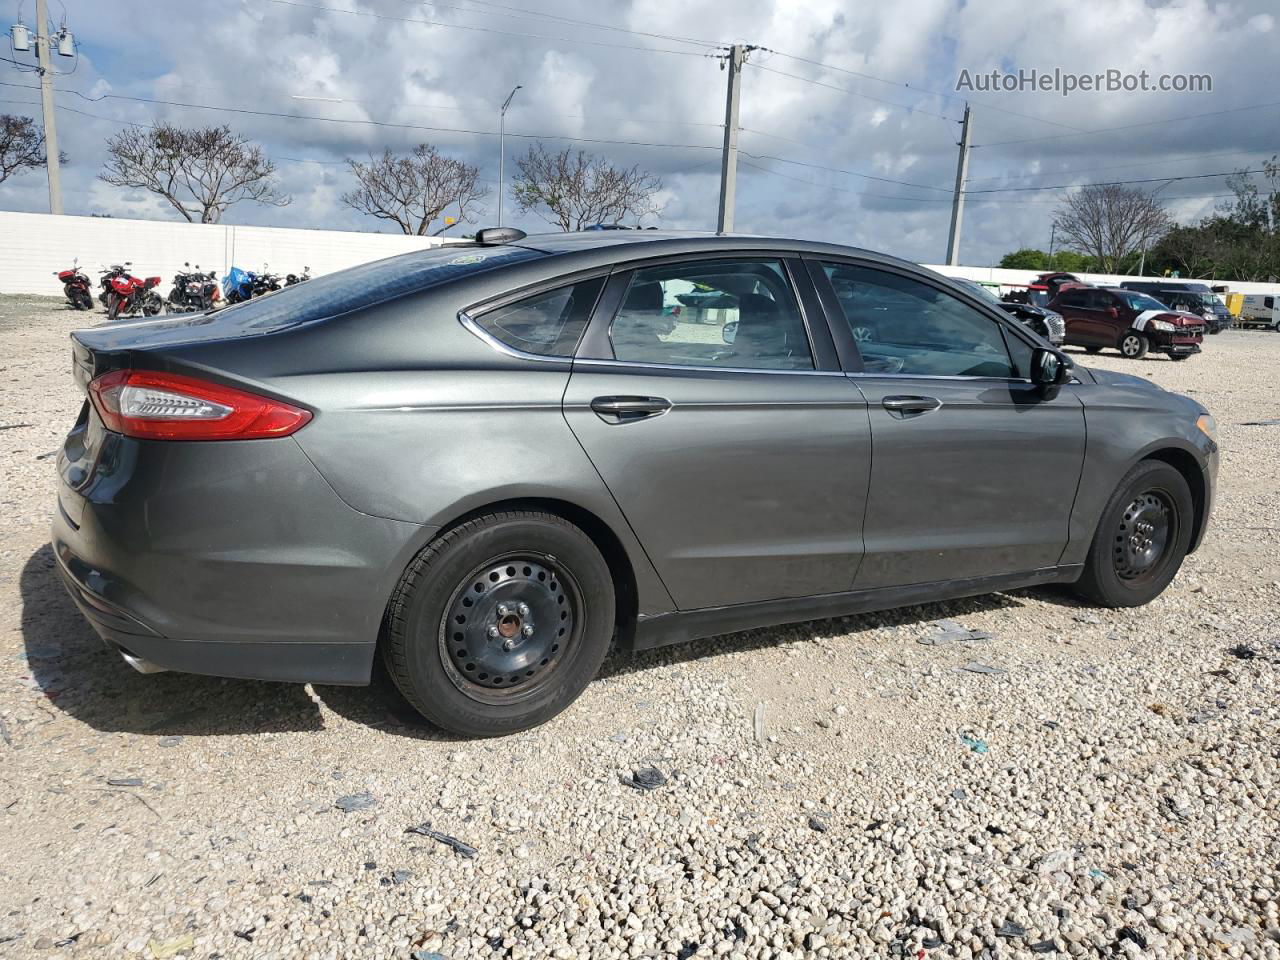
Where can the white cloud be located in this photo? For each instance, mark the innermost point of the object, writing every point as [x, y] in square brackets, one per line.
[258, 55]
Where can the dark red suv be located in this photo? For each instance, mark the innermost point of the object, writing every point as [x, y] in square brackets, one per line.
[1131, 322]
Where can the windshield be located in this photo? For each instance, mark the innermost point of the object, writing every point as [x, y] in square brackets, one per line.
[1140, 301]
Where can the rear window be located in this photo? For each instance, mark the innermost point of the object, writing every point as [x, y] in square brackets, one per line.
[369, 284]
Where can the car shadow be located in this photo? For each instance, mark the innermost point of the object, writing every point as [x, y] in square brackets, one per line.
[80, 676]
[621, 662]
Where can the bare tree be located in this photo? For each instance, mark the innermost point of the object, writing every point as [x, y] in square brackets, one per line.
[200, 171]
[573, 190]
[1109, 221]
[416, 190]
[21, 145]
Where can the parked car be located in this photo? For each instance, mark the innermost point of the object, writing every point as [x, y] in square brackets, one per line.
[1187, 297]
[1042, 321]
[1259, 310]
[483, 463]
[1128, 321]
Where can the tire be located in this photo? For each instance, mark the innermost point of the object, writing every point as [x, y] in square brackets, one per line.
[152, 305]
[478, 672]
[1179, 356]
[113, 307]
[1134, 345]
[1092, 349]
[1130, 564]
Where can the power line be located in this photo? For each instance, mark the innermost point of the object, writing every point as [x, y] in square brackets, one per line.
[850, 173]
[925, 90]
[383, 123]
[537, 17]
[852, 93]
[1115, 183]
[1133, 126]
[1114, 166]
[472, 27]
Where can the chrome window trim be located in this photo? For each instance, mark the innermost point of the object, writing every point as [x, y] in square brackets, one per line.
[702, 368]
[469, 324]
[936, 376]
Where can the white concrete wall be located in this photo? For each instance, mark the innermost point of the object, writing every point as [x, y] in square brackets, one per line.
[35, 246]
[1013, 278]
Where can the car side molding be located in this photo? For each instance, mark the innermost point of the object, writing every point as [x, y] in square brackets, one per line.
[665, 629]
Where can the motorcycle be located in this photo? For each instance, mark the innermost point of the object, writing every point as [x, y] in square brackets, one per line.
[129, 294]
[106, 275]
[266, 282]
[75, 286]
[193, 291]
[238, 285]
[293, 278]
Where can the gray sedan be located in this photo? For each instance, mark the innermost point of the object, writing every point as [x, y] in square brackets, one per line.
[483, 463]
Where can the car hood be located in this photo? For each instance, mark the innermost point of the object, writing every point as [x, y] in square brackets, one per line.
[1110, 378]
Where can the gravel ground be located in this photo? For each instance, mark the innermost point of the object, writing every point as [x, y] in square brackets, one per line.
[841, 788]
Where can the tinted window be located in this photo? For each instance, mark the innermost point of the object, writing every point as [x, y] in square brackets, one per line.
[548, 324]
[902, 325]
[1072, 298]
[1141, 302]
[712, 313]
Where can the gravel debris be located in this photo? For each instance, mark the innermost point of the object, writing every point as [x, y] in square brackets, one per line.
[1088, 821]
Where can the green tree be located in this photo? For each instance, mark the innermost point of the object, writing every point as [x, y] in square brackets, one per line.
[1025, 259]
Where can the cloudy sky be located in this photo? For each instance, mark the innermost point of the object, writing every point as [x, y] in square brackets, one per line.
[849, 110]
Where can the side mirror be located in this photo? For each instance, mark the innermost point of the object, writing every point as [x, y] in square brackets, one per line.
[729, 332]
[1113, 313]
[1049, 368]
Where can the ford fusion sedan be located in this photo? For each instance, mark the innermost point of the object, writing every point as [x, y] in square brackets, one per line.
[485, 463]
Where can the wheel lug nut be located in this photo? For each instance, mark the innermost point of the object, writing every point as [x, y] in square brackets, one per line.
[503, 610]
[527, 629]
[493, 632]
[508, 644]
[524, 609]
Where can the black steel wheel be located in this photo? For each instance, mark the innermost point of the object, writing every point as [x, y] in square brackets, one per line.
[1141, 539]
[500, 623]
[508, 626]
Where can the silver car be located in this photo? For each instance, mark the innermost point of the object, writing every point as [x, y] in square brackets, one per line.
[483, 463]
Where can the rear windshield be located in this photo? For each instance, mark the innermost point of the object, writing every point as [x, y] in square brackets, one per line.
[339, 293]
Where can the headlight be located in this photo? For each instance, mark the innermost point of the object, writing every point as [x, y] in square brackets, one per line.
[1208, 426]
[1162, 325]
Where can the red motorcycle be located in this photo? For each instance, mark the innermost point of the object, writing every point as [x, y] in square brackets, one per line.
[127, 294]
[75, 286]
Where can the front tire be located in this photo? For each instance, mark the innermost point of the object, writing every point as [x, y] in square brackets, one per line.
[1092, 349]
[500, 624]
[1142, 538]
[1134, 345]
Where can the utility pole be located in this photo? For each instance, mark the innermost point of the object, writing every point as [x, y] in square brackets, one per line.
[46, 101]
[1053, 232]
[735, 58]
[957, 202]
[502, 147]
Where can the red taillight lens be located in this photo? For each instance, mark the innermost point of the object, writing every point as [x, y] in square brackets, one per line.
[168, 406]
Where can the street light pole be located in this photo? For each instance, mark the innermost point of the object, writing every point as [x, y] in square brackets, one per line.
[502, 148]
[1142, 261]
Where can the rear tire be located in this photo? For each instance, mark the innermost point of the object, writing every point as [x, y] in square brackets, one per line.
[1134, 345]
[1179, 356]
[1142, 538]
[1092, 349]
[500, 624]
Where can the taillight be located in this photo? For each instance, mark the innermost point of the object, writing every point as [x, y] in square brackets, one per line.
[168, 406]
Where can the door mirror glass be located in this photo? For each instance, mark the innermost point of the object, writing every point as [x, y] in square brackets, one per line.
[1049, 368]
[729, 332]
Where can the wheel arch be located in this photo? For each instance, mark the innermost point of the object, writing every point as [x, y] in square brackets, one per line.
[621, 568]
[1187, 465]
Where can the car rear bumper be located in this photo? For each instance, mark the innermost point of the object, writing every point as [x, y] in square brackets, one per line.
[231, 559]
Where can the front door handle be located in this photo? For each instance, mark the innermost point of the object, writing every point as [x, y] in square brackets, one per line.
[629, 409]
[911, 404]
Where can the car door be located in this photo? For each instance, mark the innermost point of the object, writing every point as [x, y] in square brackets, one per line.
[715, 410]
[974, 468]
[1082, 321]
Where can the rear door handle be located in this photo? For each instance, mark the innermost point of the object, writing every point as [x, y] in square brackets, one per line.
[628, 409]
[911, 404]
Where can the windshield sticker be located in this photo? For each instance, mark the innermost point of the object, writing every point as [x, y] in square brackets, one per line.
[468, 258]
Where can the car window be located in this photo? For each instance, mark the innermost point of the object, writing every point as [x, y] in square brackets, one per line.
[1072, 298]
[1141, 302]
[902, 325]
[547, 324]
[712, 313]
